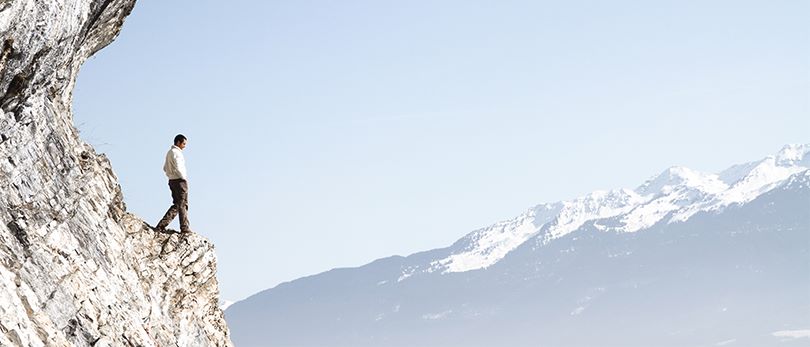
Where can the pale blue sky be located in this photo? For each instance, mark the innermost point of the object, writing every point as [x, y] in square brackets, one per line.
[327, 134]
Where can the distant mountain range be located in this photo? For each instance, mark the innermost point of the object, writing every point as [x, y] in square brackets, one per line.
[685, 259]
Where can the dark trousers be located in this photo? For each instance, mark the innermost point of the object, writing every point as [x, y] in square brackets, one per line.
[179, 188]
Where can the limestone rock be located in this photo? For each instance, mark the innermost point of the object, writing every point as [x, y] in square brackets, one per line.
[75, 267]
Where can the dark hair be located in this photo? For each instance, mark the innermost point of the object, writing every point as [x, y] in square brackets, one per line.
[179, 138]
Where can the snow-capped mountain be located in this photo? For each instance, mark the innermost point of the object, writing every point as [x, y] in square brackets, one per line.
[686, 258]
[672, 196]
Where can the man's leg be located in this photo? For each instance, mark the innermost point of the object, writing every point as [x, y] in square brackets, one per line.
[182, 206]
[167, 218]
[173, 210]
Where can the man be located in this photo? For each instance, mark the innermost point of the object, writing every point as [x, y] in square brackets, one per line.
[175, 169]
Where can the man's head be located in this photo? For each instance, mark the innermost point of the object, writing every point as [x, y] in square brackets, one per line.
[180, 141]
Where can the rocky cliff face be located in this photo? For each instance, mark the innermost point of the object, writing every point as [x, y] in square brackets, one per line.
[75, 267]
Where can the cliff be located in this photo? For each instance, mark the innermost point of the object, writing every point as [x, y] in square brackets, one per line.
[75, 267]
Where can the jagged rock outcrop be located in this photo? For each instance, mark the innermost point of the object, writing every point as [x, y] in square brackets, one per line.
[75, 267]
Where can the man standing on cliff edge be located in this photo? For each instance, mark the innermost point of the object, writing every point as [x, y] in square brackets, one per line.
[175, 169]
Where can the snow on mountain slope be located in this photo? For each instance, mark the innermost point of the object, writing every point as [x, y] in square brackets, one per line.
[756, 178]
[675, 195]
[675, 189]
[738, 274]
[797, 181]
[766, 173]
[596, 205]
[677, 176]
[486, 246]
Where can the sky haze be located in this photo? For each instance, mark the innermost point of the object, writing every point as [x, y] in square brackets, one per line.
[328, 134]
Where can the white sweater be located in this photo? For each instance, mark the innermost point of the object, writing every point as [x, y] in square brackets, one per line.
[175, 165]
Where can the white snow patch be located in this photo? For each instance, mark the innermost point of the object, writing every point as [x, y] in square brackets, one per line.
[435, 316]
[224, 304]
[647, 215]
[489, 245]
[793, 155]
[756, 178]
[597, 205]
[677, 176]
[405, 274]
[677, 190]
[792, 334]
[761, 179]
[726, 342]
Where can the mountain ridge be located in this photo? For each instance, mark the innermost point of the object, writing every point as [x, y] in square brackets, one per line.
[733, 272]
[791, 154]
[675, 189]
